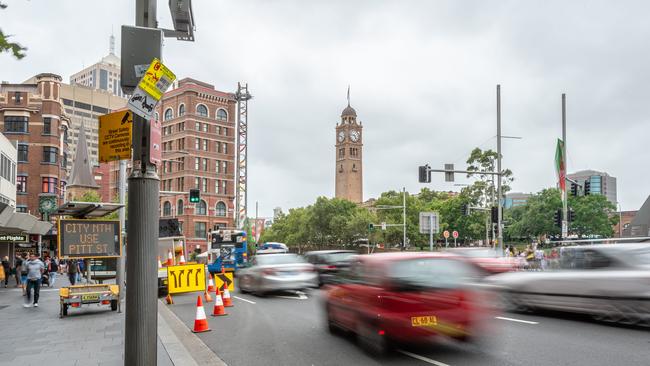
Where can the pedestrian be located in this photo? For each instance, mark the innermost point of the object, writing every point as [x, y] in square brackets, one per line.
[18, 261]
[52, 269]
[73, 270]
[23, 273]
[35, 269]
[6, 266]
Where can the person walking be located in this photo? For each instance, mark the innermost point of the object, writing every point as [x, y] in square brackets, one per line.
[23, 272]
[73, 270]
[52, 269]
[7, 268]
[35, 269]
[18, 261]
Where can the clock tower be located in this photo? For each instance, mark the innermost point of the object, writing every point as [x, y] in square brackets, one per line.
[349, 157]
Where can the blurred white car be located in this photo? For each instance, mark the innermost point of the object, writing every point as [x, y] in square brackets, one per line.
[277, 272]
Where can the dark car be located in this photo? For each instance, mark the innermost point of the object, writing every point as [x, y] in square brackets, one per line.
[404, 297]
[329, 262]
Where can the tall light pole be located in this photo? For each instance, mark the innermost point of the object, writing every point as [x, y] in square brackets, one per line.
[500, 173]
[565, 203]
[404, 217]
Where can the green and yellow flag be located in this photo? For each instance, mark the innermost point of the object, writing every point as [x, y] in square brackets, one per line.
[560, 168]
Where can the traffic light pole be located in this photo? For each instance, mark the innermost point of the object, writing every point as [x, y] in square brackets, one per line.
[499, 188]
[565, 203]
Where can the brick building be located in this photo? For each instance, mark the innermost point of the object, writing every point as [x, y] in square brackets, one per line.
[198, 143]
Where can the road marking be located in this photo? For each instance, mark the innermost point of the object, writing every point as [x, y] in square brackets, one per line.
[301, 296]
[242, 299]
[422, 358]
[516, 320]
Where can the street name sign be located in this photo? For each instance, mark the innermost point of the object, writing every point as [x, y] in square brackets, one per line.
[89, 238]
[186, 278]
[115, 136]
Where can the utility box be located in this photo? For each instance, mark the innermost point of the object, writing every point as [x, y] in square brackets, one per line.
[140, 46]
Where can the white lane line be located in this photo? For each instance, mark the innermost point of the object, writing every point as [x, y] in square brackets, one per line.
[242, 299]
[516, 320]
[422, 358]
[301, 296]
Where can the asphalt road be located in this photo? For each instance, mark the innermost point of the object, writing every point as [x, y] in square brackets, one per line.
[291, 330]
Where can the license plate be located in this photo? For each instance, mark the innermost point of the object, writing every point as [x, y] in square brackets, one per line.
[422, 321]
[92, 297]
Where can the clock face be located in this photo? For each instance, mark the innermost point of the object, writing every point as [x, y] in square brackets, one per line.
[341, 136]
[354, 135]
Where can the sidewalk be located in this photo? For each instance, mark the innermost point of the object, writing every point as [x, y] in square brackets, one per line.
[92, 335]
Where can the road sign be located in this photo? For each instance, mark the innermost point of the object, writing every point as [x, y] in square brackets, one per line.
[115, 136]
[155, 137]
[224, 279]
[425, 219]
[89, 238]
[383, 226]
[157, 79]
[142, 103]
[186, 278]
[445, 234]
[449, 174]
[455, 234]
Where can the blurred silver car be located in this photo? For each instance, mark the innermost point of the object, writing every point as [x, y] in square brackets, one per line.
[610, 282]
[277, 272]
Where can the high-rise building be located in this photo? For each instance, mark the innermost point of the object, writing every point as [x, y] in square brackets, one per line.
[198, 145]
[8, 158]
[103, 75]
[599, 183]
[515, 199]
[349, 157]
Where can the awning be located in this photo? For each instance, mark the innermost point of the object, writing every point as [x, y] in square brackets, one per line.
[12, 222]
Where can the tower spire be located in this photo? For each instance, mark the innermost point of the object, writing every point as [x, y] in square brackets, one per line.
[348, 95]
[111, 45]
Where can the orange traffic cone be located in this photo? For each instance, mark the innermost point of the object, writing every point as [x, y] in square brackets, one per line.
[170, 258]
[169, 299]
[159, 263]
[207, 296]
[227, 301]
[200, 321]
[210, 283]
[182, 261]
[218, 309]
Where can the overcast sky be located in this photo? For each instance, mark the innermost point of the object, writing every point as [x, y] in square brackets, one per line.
[423, 76]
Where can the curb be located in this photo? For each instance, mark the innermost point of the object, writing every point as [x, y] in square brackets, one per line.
[183, 347]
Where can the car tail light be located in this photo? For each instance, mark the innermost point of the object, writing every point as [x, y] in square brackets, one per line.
[106, 302]
[75, 304]
[330, 267]
[381, 332]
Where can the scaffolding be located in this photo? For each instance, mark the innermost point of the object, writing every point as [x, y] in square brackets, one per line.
[241, 195]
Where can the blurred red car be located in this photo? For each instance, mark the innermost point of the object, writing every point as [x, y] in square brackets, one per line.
[488, 259]
[402, 297]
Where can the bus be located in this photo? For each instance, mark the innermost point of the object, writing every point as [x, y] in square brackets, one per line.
[228, 248]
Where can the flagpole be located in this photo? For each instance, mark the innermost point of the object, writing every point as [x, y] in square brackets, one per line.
[565, 203]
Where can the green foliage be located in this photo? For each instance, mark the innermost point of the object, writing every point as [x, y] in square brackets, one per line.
[89, 196]
[593, 216]
[6, 46]
[484, 190]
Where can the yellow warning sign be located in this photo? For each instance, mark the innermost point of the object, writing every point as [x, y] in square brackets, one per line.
[186, 278]
[115, 136]
[226, 278]
[157, 79]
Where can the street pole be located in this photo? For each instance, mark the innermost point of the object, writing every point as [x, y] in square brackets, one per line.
[141, 323]
[431, 233]
[565, 203]
[120, 260]
[499, 188]
[404, 217]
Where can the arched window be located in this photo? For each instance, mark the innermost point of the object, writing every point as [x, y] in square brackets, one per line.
[222, 115]
[167, 209]
[179, 208]
[202, 110]
[169, 114]
[181, 110]
[201, 208]
[220, 209]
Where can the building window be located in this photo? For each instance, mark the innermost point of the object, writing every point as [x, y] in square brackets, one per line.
[225, 148]
[205, 144]
[179, 208]
[21, 184]
[197, 182]
[49, 185]
[218, 146]
[199, 230]
[181, 110]
[222, 115]
[220, 209]
[50, 154]
[65, 134]
[201, 208]
[197, 162]
[62, 190]
[223, 187]
[217, 166]
[225, 131]
[16, 124]
[216, 186]
[47, 126]
[64, 160]
[341, 153]
[205, 164]
[169, 114]
[17, 97]
[205, 127]
[224, 167]
[197, 143]
[218, 130]
[157, 116]
[167, 209]
[23, 150]
[205, 185]
[202, 110]
[197, 126]
[21, 208]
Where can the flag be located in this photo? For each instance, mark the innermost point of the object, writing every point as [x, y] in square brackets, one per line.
[560, 167]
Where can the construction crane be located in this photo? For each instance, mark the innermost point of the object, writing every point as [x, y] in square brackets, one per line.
[241, 195]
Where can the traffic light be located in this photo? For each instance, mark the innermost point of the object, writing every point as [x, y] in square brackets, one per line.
[464, 209]
[494, 214]
[574, 189]
[424, 176]
[371, 227]
[558, 217]
[195, 195]
[587, 188]
[572, 215]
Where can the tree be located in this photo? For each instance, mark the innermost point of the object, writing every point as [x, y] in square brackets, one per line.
[6, 46]
[484, 188]
[593, 216]
[535, 219]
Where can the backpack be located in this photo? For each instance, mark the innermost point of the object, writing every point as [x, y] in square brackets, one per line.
[53, 266]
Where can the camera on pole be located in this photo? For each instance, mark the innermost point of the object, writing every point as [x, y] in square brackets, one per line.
[424, 174]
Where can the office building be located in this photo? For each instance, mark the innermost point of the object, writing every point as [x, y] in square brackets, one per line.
[599, 183]
[103, 75]
[515, 199]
